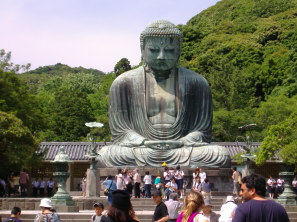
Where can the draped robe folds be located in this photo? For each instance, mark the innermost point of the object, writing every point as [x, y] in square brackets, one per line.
[130, 126]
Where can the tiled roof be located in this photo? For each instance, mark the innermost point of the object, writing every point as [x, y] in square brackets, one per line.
[78, 150]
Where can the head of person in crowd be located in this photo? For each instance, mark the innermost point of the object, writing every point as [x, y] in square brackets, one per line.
[252, 186]
[193, 203]
[16, 212]
[206, 180]
[109, 177]
[201, 170]
[119, 170]
[136, 170]
[121, 209]
[173, 196]
[98, 208]
[125, 171]
[147, 172]
[234, 169]
[166, 169]
[230, 199]
[157, 196]
[45, 205]
[172, 179]
[197, 170]
[207, 206]
[178, 167]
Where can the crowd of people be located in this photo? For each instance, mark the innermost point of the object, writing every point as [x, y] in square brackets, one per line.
[19, 185]
[195, 207]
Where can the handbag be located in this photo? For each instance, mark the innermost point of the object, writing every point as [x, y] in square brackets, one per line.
[107, 191]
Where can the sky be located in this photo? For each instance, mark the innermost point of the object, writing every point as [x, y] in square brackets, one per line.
[88, 33]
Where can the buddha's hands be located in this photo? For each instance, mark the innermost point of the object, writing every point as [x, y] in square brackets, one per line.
[163, 144]
[193, 139]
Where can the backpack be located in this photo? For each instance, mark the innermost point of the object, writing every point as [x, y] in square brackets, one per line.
[53, 217]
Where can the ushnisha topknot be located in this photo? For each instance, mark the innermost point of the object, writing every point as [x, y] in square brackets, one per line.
[161, 28]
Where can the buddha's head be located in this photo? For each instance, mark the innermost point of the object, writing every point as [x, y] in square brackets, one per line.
[161, 45]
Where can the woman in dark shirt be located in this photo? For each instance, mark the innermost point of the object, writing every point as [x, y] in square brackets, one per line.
[121, 209]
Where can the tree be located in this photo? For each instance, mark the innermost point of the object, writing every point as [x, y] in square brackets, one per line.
[122, 66]
[7, 65]
[17, 144]
[281, 140]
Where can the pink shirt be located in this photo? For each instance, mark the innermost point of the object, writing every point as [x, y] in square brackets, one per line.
[24, 177]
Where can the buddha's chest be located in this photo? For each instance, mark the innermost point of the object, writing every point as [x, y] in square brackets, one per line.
[161, 100]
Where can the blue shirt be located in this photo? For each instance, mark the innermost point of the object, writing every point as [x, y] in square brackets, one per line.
[111, 184]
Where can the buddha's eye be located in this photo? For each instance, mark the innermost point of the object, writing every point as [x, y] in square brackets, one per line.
[154, 50]
[169, 50]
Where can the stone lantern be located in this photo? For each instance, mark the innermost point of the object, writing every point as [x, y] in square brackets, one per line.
[62, 201]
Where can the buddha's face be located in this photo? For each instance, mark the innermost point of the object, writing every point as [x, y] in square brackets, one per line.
[161, 54]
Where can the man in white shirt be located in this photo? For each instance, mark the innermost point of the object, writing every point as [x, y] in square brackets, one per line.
[227, 210]
[171, 187]
[173, 205]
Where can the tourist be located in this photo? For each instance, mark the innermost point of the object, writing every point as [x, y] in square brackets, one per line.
[50, 186]
[16, 182]
[47, 214]
[271, 186]
[195, 175]
[294, 184]
[179, 179]
[236, 186]
[157, 182]
[121, 209]
[255, 206]
[280, 186]
[208, 213]
[171, 187]
[120, 180]
[41, 187]
[193, 205]
[137, 182]
[202, 175]
[15, 215]
[206, 189]
[10, 185]
[35, 187]
[197, 186]
[166, 175]
[98, 208]
[111, 186]
[173, 205]
[24, 179]
[2, 187]
[83, 184]
[128, 181]
[161, 212]
[228, 210]
[147, 184]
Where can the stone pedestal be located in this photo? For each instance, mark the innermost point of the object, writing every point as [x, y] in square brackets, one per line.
[92, 189]
[288, 197]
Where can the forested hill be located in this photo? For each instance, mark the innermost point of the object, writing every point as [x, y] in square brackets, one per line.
[246, 49]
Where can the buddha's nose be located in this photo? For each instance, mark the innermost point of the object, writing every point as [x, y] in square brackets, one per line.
[161, 54]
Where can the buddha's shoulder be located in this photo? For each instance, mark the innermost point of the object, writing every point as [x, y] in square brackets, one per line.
[131, 75]
[191, 75]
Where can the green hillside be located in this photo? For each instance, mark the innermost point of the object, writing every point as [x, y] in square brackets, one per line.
[246, 49]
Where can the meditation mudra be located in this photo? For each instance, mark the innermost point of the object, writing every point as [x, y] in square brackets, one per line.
[161, 112]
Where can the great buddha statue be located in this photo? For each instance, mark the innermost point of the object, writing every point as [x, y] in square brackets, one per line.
[161, 112]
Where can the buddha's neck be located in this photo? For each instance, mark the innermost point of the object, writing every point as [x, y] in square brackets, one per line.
[160, 74]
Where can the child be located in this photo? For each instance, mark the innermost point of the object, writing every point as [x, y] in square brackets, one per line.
[98, 208]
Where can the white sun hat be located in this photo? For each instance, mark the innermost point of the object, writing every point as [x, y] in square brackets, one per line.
[230, 199]
[46, 202]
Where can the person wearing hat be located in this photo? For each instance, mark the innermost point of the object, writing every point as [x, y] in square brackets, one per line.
[227, 210]
[161, 212]
[207, 211]
[47, 214]
[98, 208]
[121, 209]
